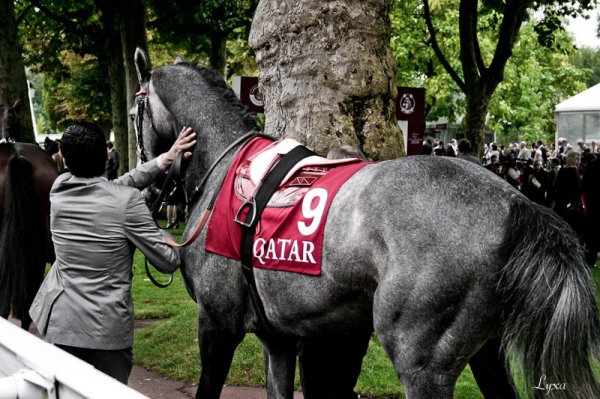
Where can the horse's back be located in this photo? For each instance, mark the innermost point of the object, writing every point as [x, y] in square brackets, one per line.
[408, 224]
[400, 210]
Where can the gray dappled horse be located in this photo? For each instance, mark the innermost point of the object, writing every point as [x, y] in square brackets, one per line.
[439, 255]
[26, 176]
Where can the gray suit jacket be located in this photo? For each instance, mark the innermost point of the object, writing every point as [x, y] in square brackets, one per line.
[85, 300]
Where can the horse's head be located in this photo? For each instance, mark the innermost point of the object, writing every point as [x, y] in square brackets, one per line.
[184, 94]
[10, 125]
[155, 128]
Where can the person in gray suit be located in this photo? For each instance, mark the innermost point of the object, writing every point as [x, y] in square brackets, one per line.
[84, 305]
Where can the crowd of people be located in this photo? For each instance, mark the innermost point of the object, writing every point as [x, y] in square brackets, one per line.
[562, 177]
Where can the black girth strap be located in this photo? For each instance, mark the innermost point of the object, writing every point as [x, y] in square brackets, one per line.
[268, 187]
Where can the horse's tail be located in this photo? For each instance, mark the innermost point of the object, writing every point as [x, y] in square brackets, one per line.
[550, 314]
[22, 241]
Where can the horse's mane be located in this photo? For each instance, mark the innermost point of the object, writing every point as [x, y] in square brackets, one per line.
[214, 80]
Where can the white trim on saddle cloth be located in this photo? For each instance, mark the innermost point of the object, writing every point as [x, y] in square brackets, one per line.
[252, 171]
[261, 162]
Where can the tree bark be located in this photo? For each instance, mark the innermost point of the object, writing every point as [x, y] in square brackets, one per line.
[132, 22]
[218, 52]
[116, 78]
[13, 81]
[327, 74]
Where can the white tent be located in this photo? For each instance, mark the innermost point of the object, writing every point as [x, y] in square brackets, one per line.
[578, 118]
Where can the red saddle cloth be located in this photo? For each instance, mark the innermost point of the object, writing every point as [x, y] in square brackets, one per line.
[289, 235]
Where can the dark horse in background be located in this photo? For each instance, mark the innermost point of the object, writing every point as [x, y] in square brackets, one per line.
[439, 256]
[26, 176]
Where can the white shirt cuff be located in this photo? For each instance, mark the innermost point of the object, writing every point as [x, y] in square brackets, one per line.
[161, 164]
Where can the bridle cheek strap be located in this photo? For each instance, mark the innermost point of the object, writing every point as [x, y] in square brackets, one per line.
[140, 123]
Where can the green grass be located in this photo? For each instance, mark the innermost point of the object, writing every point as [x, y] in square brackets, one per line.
[170, 346]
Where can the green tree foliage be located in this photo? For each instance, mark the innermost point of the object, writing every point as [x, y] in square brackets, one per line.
[488, 31]
[536, 79]
[201, 30]
[536, 76]
[588, 60]
[60, 40]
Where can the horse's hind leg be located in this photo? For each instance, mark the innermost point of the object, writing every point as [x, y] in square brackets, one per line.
[216, 354]
[329, 368]
[280, 365]
[430, 331]
[491, 371]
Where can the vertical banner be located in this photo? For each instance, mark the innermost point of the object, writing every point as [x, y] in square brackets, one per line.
[246, 88]
[410, 113]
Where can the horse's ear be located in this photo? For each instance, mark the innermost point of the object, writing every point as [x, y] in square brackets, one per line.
[142, 65]
[177, 59]
[18, 105]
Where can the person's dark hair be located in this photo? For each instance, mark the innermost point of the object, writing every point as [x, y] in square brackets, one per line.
[464, 146]
[83, 146]
[345, 151]
[109, 144]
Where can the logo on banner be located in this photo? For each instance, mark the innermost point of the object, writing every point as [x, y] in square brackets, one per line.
[407, 103]
[255, 96]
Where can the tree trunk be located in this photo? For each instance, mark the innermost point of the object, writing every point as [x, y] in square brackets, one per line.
[218, 52]
[13, 81]
[477, 106]
[132, 22]
[327, 74]
[116, 78]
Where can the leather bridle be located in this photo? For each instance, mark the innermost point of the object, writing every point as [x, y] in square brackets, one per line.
[174, 179]
[141, 106]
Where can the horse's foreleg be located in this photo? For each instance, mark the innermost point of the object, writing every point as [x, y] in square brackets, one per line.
[216, 354]
[491, 371]
[280, 365]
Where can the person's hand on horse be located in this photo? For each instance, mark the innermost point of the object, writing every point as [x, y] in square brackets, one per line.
[185, 142]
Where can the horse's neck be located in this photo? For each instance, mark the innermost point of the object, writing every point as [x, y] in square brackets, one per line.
[202, 161]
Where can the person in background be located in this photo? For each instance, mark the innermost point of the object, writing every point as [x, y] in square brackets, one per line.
[595, 148]
[492, 152]
[452, 148]
[113, 162]
[440, 149]
[524, 152]
[427, 148]
[567, 187]
[84, 304]
[57, 158]
[591, 190]
[544, 151]
[513, 174]
[464, 152]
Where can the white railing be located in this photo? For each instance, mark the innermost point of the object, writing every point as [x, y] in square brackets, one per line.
[31, 368]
